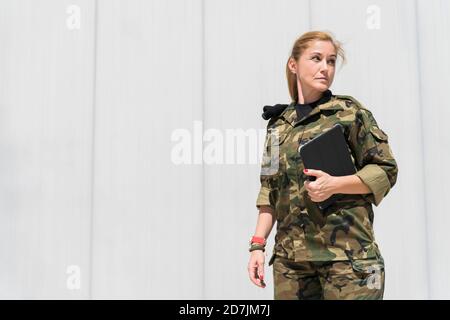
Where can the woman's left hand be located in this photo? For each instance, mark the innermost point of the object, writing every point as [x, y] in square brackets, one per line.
[323, 187]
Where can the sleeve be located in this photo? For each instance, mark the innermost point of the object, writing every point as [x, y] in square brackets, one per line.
[374, 159]
[269, 169]
[264, 195]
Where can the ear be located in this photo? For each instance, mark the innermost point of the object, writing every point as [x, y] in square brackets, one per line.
[292, 65]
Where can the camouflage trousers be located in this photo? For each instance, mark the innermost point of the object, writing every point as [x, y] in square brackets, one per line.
[331, 280]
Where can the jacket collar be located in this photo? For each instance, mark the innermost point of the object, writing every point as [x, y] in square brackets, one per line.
[326, 102]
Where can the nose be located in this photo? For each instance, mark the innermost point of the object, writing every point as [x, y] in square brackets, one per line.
[324, 65]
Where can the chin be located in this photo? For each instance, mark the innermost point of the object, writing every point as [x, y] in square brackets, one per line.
[321, 87]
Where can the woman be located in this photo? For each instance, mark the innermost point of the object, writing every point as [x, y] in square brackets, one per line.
[330, 253]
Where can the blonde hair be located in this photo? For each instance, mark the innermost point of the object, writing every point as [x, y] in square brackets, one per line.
[300, 45]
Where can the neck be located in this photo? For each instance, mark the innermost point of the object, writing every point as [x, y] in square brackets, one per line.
[308, 96]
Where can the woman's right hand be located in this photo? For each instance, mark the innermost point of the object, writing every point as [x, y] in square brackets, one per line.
[256, 268]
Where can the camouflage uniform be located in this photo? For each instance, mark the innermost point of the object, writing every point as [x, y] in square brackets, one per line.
[344, 231]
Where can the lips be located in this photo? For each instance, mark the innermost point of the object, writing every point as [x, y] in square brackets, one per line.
[322, 79]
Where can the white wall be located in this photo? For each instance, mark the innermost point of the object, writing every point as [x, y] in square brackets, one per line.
[87, 177]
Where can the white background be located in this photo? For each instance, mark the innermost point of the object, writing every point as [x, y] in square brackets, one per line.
[87, 115]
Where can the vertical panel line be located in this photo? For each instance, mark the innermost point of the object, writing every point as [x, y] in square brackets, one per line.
[309, 15]
[203, 217]
[422, 141]
[92, 174]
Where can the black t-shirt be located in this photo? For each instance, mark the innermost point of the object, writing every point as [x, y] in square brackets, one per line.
[303, 109]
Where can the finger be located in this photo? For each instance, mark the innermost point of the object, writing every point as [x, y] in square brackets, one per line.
[252, 274]
[308, 185]
[257, 280]
[261, 271]
[261, 274]
[313, 172]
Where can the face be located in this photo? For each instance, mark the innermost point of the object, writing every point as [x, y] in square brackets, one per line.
[316, 66]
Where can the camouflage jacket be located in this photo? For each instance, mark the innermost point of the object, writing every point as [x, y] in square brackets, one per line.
[343, 231]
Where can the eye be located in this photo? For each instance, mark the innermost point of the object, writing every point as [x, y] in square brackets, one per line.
[332, 62]
[315, 58]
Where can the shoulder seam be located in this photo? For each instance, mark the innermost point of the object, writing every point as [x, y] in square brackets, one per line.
[355, 102]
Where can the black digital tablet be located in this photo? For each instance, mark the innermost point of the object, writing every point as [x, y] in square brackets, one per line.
[328, 152]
